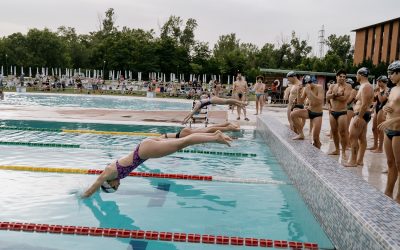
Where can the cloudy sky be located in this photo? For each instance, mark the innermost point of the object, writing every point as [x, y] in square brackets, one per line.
[255, 21]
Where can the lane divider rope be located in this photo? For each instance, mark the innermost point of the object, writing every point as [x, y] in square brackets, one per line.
[79, 131]
[61, 145]
[144, 174]
[154, 235]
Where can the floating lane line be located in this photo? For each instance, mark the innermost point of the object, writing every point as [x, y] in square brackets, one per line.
[62, 145]
[78, 131]
[154, 235]
[145, 175]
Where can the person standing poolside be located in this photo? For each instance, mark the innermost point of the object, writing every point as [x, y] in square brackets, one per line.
[350, 103]
[206, 100]
[296, 99]
[223, 127]
[391, 127]
[338, 95]
[362, 115]
[109, 179]
[314, 112]
[381, 94]
[259, 88]
[239, 92]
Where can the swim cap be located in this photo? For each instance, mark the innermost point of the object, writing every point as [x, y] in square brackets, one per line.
[383, 79]
[291, 74]
[394, 67]
[363, 72]
[307, 79]
[349, 81]
[107, 187]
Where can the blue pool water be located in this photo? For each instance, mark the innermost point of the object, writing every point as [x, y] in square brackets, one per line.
[219, 208]
[93, 101]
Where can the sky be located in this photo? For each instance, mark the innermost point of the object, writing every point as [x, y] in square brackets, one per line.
[253, 21]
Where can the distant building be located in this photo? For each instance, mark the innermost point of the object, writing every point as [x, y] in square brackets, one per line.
[378, 42]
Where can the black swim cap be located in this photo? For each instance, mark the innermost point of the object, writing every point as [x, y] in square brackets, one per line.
[394, 67]
[291, 74]
[363, 72]
[349, 81]
[383, 79]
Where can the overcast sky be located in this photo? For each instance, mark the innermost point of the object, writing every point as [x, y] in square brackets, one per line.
[255, 21]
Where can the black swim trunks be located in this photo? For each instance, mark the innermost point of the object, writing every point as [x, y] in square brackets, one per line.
[337, 114]
[313, 115]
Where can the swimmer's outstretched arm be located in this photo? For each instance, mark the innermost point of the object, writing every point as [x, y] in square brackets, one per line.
[108, 174]
[191, 114]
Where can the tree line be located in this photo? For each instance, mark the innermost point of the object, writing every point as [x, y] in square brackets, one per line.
[175, 50]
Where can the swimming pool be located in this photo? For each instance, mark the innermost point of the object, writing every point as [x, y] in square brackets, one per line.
[94, 101]
[255, 210]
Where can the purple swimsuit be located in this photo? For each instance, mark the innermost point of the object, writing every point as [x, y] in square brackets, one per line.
[124, 171]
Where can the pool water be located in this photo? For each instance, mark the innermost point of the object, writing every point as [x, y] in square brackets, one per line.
[93, 101]
[268, 211]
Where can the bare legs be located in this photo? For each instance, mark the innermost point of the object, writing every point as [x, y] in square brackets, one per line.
[288, 111]
[156, 148]
[381, 117]
[223, 127]
[392, 150]
[297, 117]
[375, 131]
[259, 104]
[358, 139]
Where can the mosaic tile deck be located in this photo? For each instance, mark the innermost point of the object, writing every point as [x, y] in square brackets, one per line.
[353, 214]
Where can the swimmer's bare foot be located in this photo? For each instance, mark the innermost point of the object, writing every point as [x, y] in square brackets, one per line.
[349, 164]
[222, 138]
[246, 119]
[377, 151]
[336, 152]
[372, 148]
[238, 118]
[299, 137]
[344, 156]
[360, 163]
[234, 127]
[256, 114]
[385, 171]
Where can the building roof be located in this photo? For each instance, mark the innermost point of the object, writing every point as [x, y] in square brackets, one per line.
[372, 25]
[315, 73]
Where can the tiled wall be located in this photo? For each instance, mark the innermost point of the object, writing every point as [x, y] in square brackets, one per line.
[353, 214]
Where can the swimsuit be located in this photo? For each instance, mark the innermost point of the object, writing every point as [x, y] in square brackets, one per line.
[337, 114]
[313, 115]
[390, 133]
[379, 105]
[366, 116]
[298, 106]
[205, 102]
[240, 95]
[123, 171]
[259, 95]
[178, 134]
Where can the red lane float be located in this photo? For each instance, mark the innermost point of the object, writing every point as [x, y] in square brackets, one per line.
[154, 235]
[161, 175]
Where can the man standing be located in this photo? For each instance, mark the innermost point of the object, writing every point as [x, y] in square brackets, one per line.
[391, 127]
[240, 93]
[337, 95]
[362, 115]
[296, 100]
[315, 95]
[259, 88]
